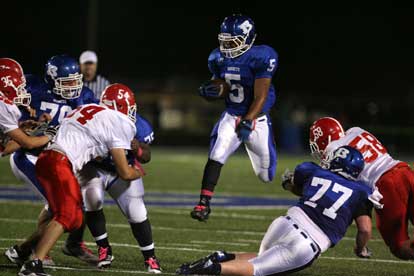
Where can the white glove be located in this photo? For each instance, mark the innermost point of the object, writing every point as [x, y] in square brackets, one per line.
[375, 198]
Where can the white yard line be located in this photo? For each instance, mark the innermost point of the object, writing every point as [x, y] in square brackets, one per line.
[220, 242]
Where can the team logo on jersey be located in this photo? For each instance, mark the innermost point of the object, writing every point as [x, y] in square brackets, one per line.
[246, 27]
[317, 133]
[52, 70]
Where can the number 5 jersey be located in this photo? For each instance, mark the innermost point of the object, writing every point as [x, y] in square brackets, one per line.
[240, 73]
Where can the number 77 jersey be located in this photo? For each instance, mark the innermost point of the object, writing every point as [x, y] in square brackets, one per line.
[377, 160]
[241, 72]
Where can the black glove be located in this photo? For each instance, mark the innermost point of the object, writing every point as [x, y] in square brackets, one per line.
[210, 91]
[51, 132]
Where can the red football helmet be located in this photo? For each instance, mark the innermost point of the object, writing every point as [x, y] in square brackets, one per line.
[322, 132]
[121, 98]
[13, 86]
[11, 64]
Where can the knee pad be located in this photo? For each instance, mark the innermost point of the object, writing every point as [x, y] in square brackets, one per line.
[93, 198]
[134, 209]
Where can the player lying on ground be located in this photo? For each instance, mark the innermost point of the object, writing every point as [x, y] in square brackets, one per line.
[248, 71]
[12, 95]
[89, 132]
[393, 179]
[98, 177]
[57, 94]
[329, 201]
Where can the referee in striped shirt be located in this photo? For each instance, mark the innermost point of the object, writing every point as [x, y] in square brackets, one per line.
[89, 64]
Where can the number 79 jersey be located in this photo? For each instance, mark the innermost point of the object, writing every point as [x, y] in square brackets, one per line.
[330, 200]
[90, 132]
[259, 61]
[377, 160]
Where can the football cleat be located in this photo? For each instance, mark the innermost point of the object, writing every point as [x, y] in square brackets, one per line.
[80, 251]
[220, 256]
[13, 255]
[201, 212]
[48, 261]
[152, 265]
[33, 268]
[203, 266]
[105, 257]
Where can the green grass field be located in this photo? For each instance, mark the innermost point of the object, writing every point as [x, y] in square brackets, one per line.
[178, 238]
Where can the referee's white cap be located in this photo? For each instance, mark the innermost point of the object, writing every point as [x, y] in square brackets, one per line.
[88, 56]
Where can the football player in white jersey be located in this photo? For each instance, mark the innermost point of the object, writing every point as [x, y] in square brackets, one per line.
[91, 131]
[12, 95]
[393, 179]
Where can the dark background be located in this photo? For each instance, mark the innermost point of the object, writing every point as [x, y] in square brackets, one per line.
[351, 61]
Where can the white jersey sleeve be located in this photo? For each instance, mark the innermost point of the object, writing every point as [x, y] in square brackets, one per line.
[9, 116]
[377, 160]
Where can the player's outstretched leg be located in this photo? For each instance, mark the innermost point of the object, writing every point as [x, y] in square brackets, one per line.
[211, 175]
[76, 247]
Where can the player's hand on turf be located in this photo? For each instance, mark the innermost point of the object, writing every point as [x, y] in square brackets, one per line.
[365, 253]
[243, 129]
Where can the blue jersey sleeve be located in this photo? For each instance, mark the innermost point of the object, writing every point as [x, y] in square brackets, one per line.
[213, 60]
[303, 172]
[145, 133]
[266, 62]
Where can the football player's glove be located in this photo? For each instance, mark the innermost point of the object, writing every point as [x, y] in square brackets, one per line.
[210, 91]
[365, 253]
[51, 131]
[287, 179]
[244, 128]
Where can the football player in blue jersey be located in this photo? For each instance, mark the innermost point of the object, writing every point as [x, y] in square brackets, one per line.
[52, 99]
[100, 176]
[329, 201]
[248, 69]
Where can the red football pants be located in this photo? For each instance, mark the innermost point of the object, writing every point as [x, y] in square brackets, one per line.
[54, 172]
[396, 187]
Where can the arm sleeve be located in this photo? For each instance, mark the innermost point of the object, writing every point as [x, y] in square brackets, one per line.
[302, 173]
[267, 63]
[212, 63]
[8, 118]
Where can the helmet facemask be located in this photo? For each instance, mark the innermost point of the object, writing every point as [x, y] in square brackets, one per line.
[23, 98]
[234, 46]
[71, 91]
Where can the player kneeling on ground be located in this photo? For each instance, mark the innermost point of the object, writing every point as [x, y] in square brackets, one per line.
[89, 132]
[329, 200]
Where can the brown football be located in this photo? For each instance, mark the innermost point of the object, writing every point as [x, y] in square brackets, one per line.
[222, 86]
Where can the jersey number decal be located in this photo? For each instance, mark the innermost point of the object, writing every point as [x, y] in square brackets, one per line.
[236, 89]
[326, 185]
[85, 114]
[54, 108]
[369, 146]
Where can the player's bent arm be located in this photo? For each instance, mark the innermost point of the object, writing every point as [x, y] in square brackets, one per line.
[141, 151]
[123, 169]
[261, 89]
[27, 142]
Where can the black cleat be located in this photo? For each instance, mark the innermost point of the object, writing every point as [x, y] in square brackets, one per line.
[201, 212]
[33, 268]
[80, 251]
[203, 266]
[14, 255]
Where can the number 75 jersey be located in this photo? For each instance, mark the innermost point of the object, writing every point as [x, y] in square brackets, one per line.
[377, 160]
[259, 61]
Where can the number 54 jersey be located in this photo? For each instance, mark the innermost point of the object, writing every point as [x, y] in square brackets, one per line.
[377, 160]
[259, 61]
[90, 132]
[330, 200]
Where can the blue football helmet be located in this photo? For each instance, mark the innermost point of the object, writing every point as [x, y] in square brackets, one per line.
[62, 73]
[237, 35]
[347, 161]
